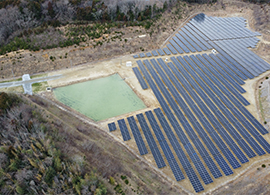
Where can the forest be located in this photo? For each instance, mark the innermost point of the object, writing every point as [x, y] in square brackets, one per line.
[21, 18]
[45, 150]
[30, 161]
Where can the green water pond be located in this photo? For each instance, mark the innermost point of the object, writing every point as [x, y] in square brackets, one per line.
[101, 98]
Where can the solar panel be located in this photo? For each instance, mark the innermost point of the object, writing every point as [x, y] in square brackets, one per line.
[195, 182]
[155, 53]
[142, 55]
[191, 42]
[167, 51]
[176, 46]
[220, 72]
[192, 30]
[140, 78]
[124, 130]
[151, 142]
[112, 126]
[225, 68]
[161, 52]
[182, 46]
[172, 49]
[200, 44]
[182, 39]
[231, 60]
[148, 54]
[137, 135]
[232, 67]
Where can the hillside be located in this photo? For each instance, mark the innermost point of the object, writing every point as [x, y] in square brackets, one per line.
[40, 154]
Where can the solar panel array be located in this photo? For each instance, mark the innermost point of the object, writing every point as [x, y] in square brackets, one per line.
[229, 36]
[217, 113]
[246, 58]
[165, 147]
[215, 28]
[151, 141]
[203, 129]
[124, 130]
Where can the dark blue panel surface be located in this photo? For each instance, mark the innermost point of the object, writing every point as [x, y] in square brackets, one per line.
[124, 129]
[140, 78]
[112, 126]
[137, 135]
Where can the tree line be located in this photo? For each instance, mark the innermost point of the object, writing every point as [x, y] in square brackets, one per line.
[19, 18]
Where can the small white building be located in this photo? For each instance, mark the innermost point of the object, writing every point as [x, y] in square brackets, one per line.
[142, 36]
[128, 63]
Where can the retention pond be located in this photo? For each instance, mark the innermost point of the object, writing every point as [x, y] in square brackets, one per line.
[100, 99]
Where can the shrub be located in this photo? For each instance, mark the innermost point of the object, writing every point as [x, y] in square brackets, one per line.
[126, 181]
[118, 188]
[123, 177]
[5, 101]
[265, 122]
[263, 166]
[50, 173]
[19, 190]
[112, 181]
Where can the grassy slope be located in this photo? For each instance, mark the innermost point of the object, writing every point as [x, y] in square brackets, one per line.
[105, 154]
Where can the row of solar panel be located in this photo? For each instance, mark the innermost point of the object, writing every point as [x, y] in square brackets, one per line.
[241, 119]
[198, 164]
[175, 125]
[186, 110]
[218, 80]
[173, 106]
[137, 135]
[189, 115]
[140, 78]
[227, 57]
[213, 87]
[246, 58]
[247, 42]
[124, 130]
[138, 138]
[220, 28]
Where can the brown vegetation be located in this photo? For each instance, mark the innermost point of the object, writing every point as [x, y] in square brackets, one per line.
[41, 153]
